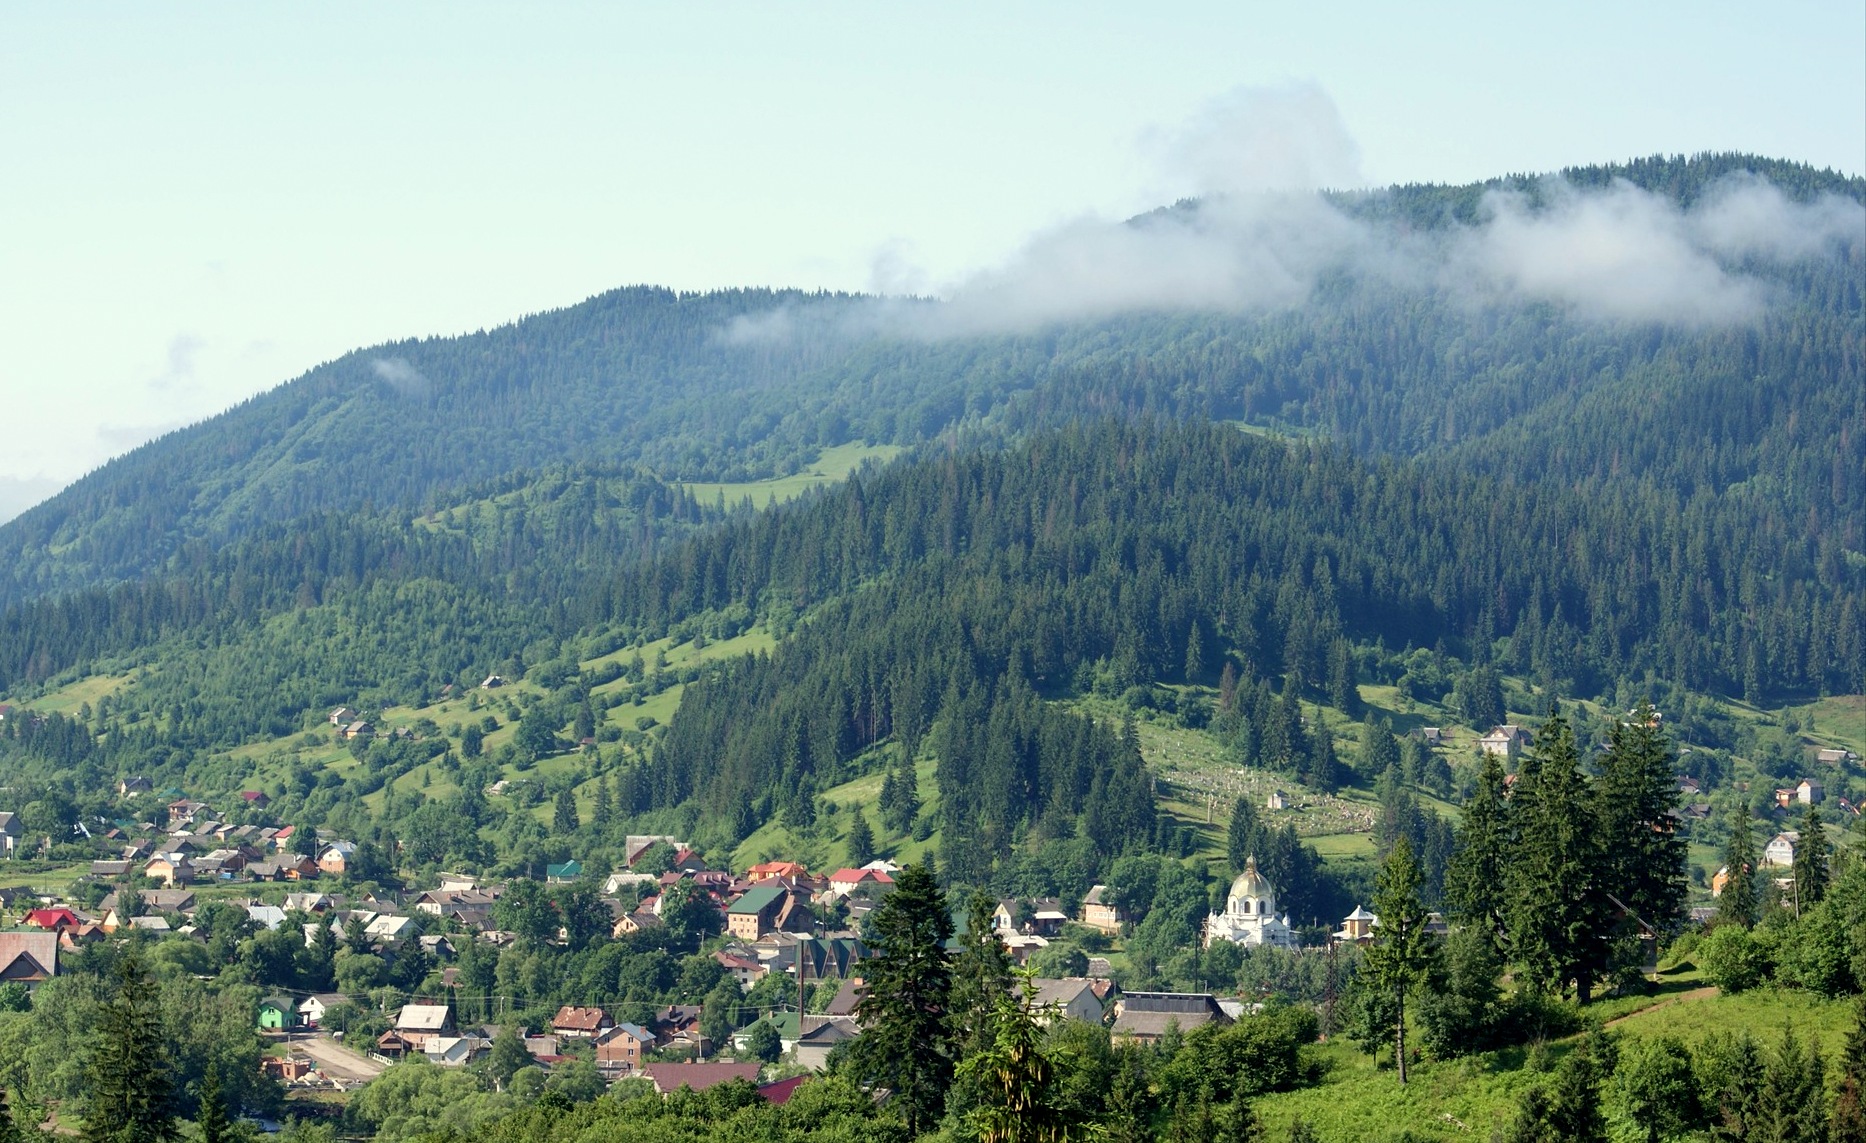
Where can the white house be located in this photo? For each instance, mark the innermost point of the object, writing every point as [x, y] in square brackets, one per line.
[1809, 792]
[10, 833]
[1781, 848]
[1250, 914]
[312, 1008]
[1506, 741]
[1276, 801]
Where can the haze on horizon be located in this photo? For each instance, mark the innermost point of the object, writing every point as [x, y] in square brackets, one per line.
[213, 202]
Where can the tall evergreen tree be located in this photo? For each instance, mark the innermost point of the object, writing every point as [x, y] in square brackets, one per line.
[1736, 905]
[210, 1117]
[564, 818]
[1848, 1122]
[1791, 1107]
[908, 1043]
[1014, 1075]
[1557, 913]
[1811, 862]
[1402, 951]
[1241, 839]
[1637, 792]
[861, 840]
[1474, 884]
[130, 1092]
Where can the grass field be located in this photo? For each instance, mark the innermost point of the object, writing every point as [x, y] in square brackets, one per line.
[826, 846]
[1469, 1099]
[832, 466]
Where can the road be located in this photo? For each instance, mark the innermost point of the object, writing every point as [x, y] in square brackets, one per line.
[335, 1060]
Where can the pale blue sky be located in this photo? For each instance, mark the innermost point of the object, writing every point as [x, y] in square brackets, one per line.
[199, 202]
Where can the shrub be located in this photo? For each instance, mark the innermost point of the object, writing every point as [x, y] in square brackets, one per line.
[1732, 959]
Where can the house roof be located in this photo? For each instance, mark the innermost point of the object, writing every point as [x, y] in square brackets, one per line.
[669, 1078]
[757, 899]
[779, 1093]
[1061, 992]
[564, 869]
[28, 955]
[579, 1019]
[422, 1018]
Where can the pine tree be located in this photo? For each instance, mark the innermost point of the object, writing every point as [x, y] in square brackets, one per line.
[907, 1045]
[129, 1090]
[1195, 653]
[211, 1118]
[564, 814]
[1241, 840]
[1557, 915]
[1637, 792]
[1014, 1075]
[1474, 884]
[1848, 1122]
[1811, 862]
[861, 840]
[1736, 905]
[1402, 951]
[603, 812]
[1343, 695]
[1790, 1108]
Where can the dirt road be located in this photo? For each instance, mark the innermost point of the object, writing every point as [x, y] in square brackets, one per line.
[335, 1060]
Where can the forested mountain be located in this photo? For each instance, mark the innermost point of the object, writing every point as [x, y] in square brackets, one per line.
[696, 387]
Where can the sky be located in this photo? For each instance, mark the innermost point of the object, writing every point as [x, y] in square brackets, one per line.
[198, 203]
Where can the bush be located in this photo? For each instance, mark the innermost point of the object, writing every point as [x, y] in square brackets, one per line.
[1732, 959]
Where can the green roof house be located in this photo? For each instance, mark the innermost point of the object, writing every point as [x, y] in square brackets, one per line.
[568, 871]
[276, 1013]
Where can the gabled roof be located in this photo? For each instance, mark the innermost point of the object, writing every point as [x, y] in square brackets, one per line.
[28, 956]
[578, 1019]
[756, 899]
[668, 1078]
[422, 1018]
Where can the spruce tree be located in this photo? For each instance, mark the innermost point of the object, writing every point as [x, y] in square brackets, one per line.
[1848, 1122]
[1474, 884]
[1242, 838]
[564, 813]
[1637, 793]
[1195, 653]
[1790, 1109]
[1557, 914]
[907, 1045]
[861, 840]
[130, 1092]
[1402, 951]
[1736, 905]
[1811, 862]
[210, 1117]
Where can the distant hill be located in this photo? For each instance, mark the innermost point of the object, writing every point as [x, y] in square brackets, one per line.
[646, 376]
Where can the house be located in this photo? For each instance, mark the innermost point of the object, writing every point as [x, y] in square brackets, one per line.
[342, 716]
[255, 798]
[744, 969]
[765, 871]
[670, 1078]
[135, 784]
[53, 920]
[1357, 928]
[1144, 1017]
[1506, 741]
[110, 869]
[285, 1069]
[276, 1013]
[1809, 792]
[335, 859]
[28, 958]
[755, 913]
[312, 1009]
[573, 1022]
[416, 1024]
[1689, 785]
[819, 1035]
[1072, 998]
[151, 923]
[636, 844]
[1781, 849]
[1097, 913]
[872, 882]
[1835, 757]
[267, 917]
[492, 682]
[452, 1051]
[10, 832]
[1433, 736]
[620, 1048]
[358, 729]
[563, 873]
[389, 927]
[1784, 796]
[617, 882]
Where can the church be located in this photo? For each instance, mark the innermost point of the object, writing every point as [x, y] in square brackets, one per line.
[1250, 914]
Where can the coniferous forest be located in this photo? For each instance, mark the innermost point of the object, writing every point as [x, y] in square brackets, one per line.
[1111, 615]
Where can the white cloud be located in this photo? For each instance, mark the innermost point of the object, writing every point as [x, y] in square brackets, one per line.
[403, 378]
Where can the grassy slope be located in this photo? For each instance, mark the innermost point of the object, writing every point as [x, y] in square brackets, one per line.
[1470, 1098]
[832, 466]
